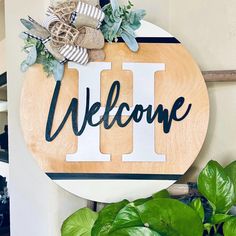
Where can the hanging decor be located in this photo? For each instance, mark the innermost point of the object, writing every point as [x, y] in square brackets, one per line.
[127, 101]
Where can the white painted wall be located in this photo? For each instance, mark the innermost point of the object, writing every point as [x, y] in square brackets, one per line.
[2, 20]
[38, 206]
[2, 57]
[207, 28]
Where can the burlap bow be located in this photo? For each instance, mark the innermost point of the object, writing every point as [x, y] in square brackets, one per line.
[70, 31]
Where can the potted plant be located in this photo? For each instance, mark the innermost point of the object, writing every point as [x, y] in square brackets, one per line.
[160, 215]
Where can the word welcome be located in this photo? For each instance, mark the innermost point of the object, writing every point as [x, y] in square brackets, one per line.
[160, 114]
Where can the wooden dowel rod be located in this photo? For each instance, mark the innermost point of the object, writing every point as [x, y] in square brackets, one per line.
[220, 76]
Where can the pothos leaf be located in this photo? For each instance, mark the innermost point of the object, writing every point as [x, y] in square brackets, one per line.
[198, 207]
[215, 185]
[229, 227]
[80, 223]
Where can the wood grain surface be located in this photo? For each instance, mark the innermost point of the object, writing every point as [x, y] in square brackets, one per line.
[181, 146]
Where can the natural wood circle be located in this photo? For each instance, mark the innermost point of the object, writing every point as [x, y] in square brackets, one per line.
[181, 146]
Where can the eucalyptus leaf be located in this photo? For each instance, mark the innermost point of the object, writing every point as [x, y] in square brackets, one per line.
[28, 25]
[80, 223]
[128, 29]
[106, 218]
[170, 217]
[58, 70]
[229, 228]
[198, 207]
[24, 66]
[23, 36]
[215, 185]
[130, 41]
[32, 56]
[115, 28]
[114, 5]
[135, 17]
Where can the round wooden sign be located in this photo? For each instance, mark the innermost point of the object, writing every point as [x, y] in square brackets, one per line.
[125, 127]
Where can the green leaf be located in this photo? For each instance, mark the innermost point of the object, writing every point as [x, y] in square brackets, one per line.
[208, 227]
[135, 231]
[231, 172]
[80, 223]
[170, 217]
[114, 5]
[24, 66]
[162, 194]
[130, 41]
[229, 228]
[106, 218]
[141, 201]
[127, 217]
[220, 218]
[32, 56]
[29, 25]
[198, 207]
[215, 185]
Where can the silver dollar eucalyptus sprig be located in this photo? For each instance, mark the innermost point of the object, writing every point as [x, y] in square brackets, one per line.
[121, 21]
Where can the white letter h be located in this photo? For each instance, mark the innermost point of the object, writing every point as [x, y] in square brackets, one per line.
[143, 94]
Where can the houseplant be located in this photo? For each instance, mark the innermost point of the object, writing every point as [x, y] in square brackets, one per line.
[161, 215]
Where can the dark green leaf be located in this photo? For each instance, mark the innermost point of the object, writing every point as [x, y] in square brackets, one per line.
[229, 227]
[141, 201]
[208, 227]
[80, 223]
[215, 185]
[127, 217]
[170, 218]
[198, 207]
[106, 218]
[220, 218]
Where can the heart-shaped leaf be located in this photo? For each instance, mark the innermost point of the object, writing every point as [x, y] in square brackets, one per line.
[215, 185]
[220, 218]
[80, 223]
[231, 172]
[170, 217]
[198, 207]
[229, 227]
[106, 218]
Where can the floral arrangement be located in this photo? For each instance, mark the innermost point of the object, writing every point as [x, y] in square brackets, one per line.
[122, 22]
[76, 30]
